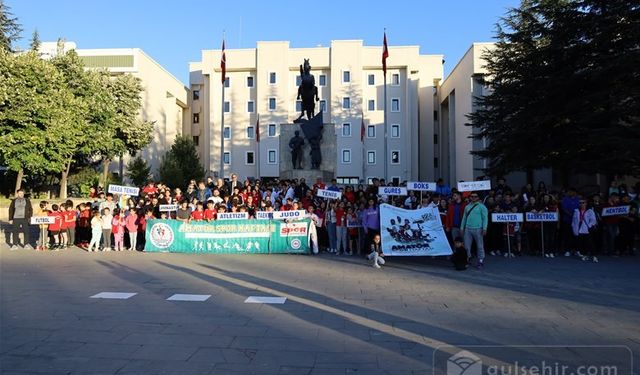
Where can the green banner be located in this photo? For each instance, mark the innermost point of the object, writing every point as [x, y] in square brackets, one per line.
[228, 236]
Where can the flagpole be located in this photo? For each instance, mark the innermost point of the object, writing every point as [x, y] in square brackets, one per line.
[222, 136]
[362, 128]
[385, 54]
[257, 136]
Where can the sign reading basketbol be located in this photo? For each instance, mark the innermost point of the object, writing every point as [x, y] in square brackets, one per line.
[330, 194]
[474, 185]
[392, 190]
[421, 186]
[168, 207]
[542, 216]
[613, 211]
[42, 220]
[507, 217]
[294, 214]
[233, 216]
[124, 190]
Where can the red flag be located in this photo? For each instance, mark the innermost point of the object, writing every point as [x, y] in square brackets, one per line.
[362, 130]
[258, 130]
[223, 64]
[385, 54]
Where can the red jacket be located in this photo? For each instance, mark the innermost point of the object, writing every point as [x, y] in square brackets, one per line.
[448, 224]
[57, 225]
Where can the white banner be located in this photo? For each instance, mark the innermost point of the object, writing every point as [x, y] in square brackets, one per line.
[421, 186]
[474, 185]
[392, 190]
[613, 211]
[35, 220]
[264, 214]
[295, 214]
[507, 217]
[330, 194]
[124, 190]
[542, 216]
[233, 216]
[168, 207]
[412, 232]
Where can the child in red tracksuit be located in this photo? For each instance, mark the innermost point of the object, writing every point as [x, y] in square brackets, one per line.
[117, 228]
[56, 227]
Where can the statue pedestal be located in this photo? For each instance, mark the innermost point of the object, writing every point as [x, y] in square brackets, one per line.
[327, 146]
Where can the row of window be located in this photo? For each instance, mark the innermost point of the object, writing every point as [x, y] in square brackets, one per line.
[272, 156]
[322, 81]
[346, 131]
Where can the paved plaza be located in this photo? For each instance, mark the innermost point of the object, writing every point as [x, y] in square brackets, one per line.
[339, 316]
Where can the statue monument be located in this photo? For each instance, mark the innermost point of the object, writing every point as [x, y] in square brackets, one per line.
[311, 126]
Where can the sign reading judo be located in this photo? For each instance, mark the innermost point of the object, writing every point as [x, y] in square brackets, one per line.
[228, 236]
[412, 232]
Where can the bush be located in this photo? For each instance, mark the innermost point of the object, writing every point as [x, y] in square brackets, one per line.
[138, 171]
[181, 164]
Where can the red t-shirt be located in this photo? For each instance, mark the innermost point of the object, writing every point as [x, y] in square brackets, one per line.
[57, 225]
[341, 218]
[209, 214]
[70, 219]
[197, 215]
[150, 190]
[85, 217]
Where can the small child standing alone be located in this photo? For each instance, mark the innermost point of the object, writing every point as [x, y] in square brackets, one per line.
[117, 227]
[106, 228]
[459, 257]
[96, 231]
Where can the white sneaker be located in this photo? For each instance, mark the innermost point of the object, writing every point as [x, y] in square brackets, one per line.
[14, 247]
[578, 254]
[551, 255]
[584, 258]
[376, 265]
[547, 256]
[513, 255]
[595, 260]
[493, 253]
[498, 252]
[567, 254]
[506, 255]
[28, 247]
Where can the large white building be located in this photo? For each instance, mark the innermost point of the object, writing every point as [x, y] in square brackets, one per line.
[263, 82]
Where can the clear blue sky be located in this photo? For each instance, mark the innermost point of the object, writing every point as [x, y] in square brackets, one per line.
[175, 32]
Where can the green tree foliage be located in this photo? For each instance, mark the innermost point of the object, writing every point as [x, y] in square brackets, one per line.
[138, 171]
[565, 80]
[10, 29]
[35, 42]
[181, 164]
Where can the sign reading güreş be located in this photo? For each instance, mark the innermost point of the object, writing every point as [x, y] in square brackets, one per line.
[43, 220]
[542, 216]
[296, 214]
[474, 185]
[421, 186]
[124, 190]
[324, 193]
[233, 215]
[264, 214]
[168, 207]
[612, 211]
[507, 218]
[392, 190]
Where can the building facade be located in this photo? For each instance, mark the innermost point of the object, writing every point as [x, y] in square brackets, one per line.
[260, 96]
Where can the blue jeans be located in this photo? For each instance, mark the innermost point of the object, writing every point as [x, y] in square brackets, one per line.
[474, 234]
[331, 230]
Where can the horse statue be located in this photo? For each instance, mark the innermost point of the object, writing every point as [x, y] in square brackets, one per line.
[307, 91]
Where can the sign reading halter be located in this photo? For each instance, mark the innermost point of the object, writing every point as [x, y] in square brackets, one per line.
[124, 190]
[35, 220]
[330, 194]
[507, 218]
[421, 186]
[474, 185]
[392, 190]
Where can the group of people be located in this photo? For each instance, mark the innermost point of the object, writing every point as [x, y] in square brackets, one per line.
[349, 225]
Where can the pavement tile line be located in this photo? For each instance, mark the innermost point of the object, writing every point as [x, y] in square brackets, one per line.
[270, 300]
[189, 297]
[113, 295]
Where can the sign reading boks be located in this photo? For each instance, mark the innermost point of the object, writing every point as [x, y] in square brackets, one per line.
[421, 186]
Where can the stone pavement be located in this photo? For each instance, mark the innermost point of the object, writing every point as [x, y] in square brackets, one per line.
[341, 316]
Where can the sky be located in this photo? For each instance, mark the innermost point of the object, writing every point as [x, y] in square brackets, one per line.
[175, 32]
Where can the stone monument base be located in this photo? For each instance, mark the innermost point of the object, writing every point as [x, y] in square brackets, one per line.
[328, 146]
[310, 175]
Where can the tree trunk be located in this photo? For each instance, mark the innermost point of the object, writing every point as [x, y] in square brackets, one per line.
[105, 173]
[63, 181]
[19, 180]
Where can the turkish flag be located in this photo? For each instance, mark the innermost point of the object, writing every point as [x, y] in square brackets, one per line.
[223, 64]
[385, 55]
[362, 129]
[258, 130]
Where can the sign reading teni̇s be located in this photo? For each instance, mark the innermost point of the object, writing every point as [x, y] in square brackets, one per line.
[330, 194]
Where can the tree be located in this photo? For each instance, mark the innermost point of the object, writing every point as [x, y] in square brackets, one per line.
[181, 163]
[565, 81]
[10, 29]
[35, 41]
[138, 171]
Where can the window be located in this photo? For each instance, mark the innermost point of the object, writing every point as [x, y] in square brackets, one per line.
[322, 80]
[371, 105]
[227, 107]
[196, 140]
[346, 103]
[347, 180]
[346, 76]
[227, 82]
[370, 180]
[371, 79]
[226, 133]
[346, 156]
[250, 106]
[298, 105]
[371, 131]
[196, 118]
[395, 105]
[227, 158]
[346, 129]
[298, 81]
[435, 115]
[196, 94]
[272, 104]
[435, 139]
[272, 78]
[249, 158]
[395, 181]
[272, 130]
[323, 106]
[250, 81]
[435, 162]
[395, 131]
[272, 157]
[251, 132]
[395, 157]
[371, 157]
[395, 79]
